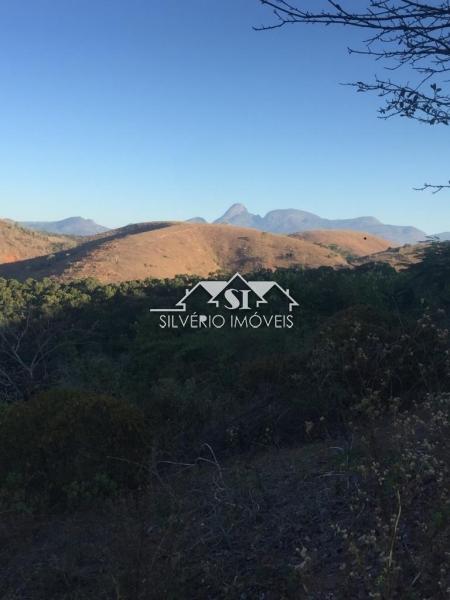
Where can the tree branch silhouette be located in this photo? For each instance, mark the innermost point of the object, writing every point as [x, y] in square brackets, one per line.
[406, 35]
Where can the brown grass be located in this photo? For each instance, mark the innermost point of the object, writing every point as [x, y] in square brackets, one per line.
[398, 258]
[356, 243]
[18, 243]
[162, 250]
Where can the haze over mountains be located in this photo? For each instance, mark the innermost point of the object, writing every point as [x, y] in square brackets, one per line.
[284, 221]
[69, 226]
[444, 236]
[76, 248]
[166, 249]
[293, 220]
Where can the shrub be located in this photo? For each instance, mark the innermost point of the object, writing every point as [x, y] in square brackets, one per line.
[64, 447]
[396, 541]
[176, 413]
[360, 352]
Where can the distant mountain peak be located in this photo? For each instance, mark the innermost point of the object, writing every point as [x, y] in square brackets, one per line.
[234, 211]
[292, 220]
[238, 214]
[69, 226]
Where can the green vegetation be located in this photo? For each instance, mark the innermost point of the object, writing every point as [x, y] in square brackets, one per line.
[60, 448]
[319, 452]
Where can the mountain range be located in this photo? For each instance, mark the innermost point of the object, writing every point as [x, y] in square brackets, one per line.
[69, 226]
[444, 236]
[292, 220]
[285, 221]
[165, 249]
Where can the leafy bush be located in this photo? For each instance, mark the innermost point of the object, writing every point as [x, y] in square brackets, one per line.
[63, 447]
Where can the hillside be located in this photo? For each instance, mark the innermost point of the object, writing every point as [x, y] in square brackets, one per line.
[146, 462]
[292, 220]
[398, 258]
[17, 243]
[285, 221]
[166, 249]
[347, 243]
[69, 226]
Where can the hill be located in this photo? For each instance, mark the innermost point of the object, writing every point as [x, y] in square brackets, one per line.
[284, 221]
[399, 258]
[347, 243]
[144, 463]
[70, 226]
[292, 221]
[164, 249]
[17, 243]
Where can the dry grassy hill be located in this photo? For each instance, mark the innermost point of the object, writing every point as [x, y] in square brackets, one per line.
[347, 243]
[398, 258]
[17, 243]
[166, 249]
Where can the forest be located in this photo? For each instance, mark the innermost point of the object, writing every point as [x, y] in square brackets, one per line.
[190, 449]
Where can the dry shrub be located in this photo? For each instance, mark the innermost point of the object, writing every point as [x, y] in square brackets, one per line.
[358, 353]
[398, 537]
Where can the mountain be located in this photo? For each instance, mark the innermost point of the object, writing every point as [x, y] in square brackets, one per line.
[166, 249]
[292, 221]
[237, 214]
[69, 226]
[444, 236]
[17, 243]
[196, 220]
[284, 221]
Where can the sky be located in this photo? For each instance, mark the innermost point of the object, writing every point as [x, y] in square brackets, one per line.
[136, 110]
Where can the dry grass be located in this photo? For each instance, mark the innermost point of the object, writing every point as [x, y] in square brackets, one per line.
[398, 258]
[354, 243]
[162, 250]
[18, 243]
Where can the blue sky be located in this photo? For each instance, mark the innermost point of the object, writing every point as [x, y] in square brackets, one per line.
[132, 110]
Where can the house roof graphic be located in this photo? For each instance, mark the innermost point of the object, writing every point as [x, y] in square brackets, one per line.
[214, 289]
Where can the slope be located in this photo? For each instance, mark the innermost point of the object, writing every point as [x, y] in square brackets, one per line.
[166, 249]
[17, 243]
[347, 243]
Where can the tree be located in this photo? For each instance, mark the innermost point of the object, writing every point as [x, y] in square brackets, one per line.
[408, 35]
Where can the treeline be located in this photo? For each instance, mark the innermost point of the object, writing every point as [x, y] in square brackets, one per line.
[81, 357]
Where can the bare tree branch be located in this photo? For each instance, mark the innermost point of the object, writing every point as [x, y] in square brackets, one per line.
[27, 344]
[433, 188]
[404, 34]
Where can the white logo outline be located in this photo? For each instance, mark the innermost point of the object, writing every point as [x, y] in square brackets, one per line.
[214, 288]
